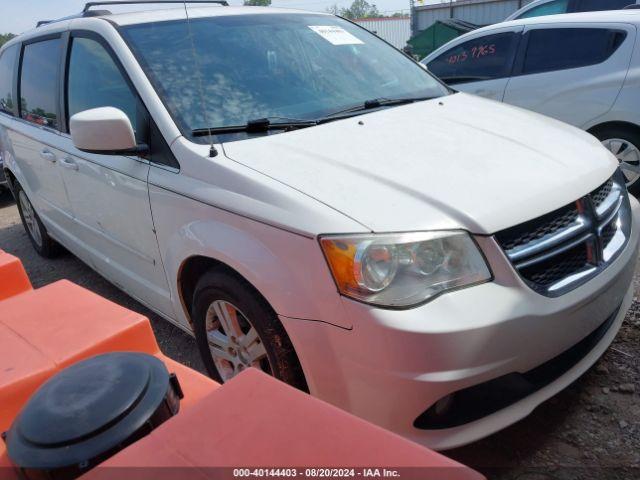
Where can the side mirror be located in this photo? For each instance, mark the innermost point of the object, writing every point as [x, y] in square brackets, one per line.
[106, 131]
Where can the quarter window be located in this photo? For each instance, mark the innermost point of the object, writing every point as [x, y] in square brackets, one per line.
[563, 48]
[483, 58]
[551, 8]
[94, 80]
[39, 82]
[7, 61]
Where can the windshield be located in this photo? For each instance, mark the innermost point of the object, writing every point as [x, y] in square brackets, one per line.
[300, 66]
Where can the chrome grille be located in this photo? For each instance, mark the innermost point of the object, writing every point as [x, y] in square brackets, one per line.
[539, 228]
[559, 251]
[600, 195]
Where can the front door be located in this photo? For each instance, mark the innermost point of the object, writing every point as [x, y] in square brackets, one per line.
[480, 65]
[109, 192]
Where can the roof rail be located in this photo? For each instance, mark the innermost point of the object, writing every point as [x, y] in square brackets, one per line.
[88, 6]
[87, 12]
[92, 13]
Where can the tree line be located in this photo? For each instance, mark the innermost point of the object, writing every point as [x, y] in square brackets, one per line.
[358, 9]
[5, 37]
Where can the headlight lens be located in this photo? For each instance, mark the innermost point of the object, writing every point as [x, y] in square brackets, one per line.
[405, 269]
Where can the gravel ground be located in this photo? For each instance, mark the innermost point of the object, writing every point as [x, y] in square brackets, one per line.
[589, 431]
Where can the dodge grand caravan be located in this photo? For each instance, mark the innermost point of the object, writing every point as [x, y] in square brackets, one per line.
[308, 201]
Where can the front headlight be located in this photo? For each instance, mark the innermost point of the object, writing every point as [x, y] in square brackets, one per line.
[403, 269]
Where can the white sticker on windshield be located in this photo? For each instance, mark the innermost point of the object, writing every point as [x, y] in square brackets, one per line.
[336, 35]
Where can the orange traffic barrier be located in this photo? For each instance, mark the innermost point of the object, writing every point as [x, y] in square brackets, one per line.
[255, 421]
[13, 278]
[48, 329]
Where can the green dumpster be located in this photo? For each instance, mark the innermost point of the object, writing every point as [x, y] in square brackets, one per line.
[441, 32]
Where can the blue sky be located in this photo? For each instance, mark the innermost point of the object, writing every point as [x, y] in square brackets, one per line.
[19, 15]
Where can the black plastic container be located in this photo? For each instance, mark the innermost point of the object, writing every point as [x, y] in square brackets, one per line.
[90, 411]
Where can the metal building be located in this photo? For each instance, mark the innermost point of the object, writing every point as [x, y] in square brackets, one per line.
[480, 12]
[395, 30]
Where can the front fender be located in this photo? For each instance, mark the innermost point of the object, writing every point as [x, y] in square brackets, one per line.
[288, 269]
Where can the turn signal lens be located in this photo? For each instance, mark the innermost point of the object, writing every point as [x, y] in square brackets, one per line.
[406, 269]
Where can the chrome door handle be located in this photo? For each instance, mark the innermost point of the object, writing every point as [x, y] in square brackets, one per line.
[48, 155]
[67, 162]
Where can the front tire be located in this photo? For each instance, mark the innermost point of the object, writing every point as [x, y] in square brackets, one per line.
[36, 231]
[624, 143]
[235, 328]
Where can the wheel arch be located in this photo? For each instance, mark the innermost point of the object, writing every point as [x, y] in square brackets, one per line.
[14, 174]
[198, 267]
[614, 124]
[190, 272]
[11, 178]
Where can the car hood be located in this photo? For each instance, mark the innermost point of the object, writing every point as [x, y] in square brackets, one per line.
[456, 162]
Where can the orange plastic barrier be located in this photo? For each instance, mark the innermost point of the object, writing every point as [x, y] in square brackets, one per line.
[13, 278]
[255, 421]
[48, 329]
[62, 323]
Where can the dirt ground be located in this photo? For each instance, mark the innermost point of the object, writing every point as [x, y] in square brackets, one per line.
[589, 431]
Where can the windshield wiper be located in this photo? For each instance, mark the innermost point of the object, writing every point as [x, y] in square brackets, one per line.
[257, 125]
[287, 124]
[371, 104]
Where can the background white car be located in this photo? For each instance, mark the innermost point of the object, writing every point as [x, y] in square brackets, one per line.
[538, 8]
[579, 68]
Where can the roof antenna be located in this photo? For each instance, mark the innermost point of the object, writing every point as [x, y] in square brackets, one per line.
[213, 152]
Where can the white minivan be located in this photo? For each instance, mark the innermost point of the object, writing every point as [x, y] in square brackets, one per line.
[583, 69]
[307, 200]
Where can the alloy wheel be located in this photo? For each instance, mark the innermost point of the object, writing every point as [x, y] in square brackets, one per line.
[628, 156]
[233, 341]
[30, 220]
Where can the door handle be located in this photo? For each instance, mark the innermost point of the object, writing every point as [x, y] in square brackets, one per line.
[67, 162]
[48, 155]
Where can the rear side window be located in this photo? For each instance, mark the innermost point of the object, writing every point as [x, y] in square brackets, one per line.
[552, 8]
[96, 81]
[7, 61]
[482, 58]
[598, 5]
[39, 82]
[563, 48]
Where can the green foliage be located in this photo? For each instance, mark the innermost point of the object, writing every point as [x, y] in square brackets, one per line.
[258, 3]
[5, 37]
[333, 9]
[359, 9]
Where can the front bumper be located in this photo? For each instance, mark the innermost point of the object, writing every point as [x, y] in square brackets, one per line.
[394, 364]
